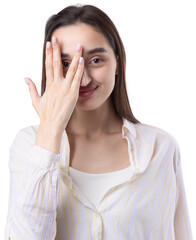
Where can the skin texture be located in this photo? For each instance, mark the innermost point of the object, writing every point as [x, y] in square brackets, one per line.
[94, 116]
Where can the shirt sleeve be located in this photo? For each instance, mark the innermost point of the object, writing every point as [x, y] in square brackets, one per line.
[182, 226]
[33, 191]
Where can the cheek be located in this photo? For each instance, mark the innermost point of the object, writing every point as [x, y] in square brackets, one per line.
[106, 81]
[99, 75]
[103, 75]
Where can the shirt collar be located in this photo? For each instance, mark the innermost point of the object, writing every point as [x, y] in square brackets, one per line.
[141, 156]
[129, 126]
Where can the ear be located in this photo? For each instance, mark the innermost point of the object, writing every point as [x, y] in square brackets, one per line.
[117, 65]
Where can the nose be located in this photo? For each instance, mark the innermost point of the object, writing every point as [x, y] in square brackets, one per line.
[85, 79]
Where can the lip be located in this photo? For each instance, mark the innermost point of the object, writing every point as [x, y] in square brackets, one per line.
[87, 89]
[88, 93]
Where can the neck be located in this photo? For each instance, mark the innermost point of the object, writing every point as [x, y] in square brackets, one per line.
[96, 122]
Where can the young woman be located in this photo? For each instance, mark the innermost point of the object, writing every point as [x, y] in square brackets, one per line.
[90, 169]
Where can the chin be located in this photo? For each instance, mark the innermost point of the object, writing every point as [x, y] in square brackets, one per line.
[87, 106]
[92, 104]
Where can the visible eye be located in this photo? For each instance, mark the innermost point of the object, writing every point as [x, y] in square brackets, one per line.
[99, 60]
[65, 64]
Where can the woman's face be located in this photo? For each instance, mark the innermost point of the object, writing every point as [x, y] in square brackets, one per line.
[99, 67]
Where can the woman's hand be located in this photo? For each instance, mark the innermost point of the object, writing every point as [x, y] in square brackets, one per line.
[56, 105]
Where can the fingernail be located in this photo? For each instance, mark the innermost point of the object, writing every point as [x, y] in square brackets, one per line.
[48, 44]
[27, 80]
[53, 40]
[81, 60]
[78, 47]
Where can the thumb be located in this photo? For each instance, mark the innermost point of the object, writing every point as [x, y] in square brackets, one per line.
[35, 97]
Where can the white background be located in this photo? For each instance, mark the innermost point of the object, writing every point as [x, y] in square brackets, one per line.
[160, 43]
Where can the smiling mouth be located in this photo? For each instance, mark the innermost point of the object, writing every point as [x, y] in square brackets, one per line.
[87, 89]
[87, 94]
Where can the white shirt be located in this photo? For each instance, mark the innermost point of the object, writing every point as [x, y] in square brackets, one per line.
[45, 204]
[94, 186]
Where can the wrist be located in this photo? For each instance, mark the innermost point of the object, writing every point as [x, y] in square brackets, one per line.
[49, 138]
[49, 130]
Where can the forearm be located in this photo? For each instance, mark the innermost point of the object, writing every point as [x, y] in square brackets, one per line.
[34, 215]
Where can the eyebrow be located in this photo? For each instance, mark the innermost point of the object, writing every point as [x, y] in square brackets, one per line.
[92, 51]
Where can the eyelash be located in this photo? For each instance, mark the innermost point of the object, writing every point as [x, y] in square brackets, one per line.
[100, 60]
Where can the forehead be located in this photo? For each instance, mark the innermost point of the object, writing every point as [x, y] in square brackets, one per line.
[88, 36]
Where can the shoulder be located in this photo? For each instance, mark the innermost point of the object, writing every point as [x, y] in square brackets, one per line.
[159, 141]
[21, 147]
[155, 133]
[24, 137]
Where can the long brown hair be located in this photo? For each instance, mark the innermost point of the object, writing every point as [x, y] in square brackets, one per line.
[95, 17]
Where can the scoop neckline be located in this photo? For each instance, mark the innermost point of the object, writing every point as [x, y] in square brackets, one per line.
[95, 174]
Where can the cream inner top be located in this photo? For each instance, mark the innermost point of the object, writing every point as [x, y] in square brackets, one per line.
[94, 186]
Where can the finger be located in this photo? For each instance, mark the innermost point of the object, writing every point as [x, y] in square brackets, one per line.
[75, 85]
[48, 63]
[73, 67]
[57, 64]
[35, 97]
